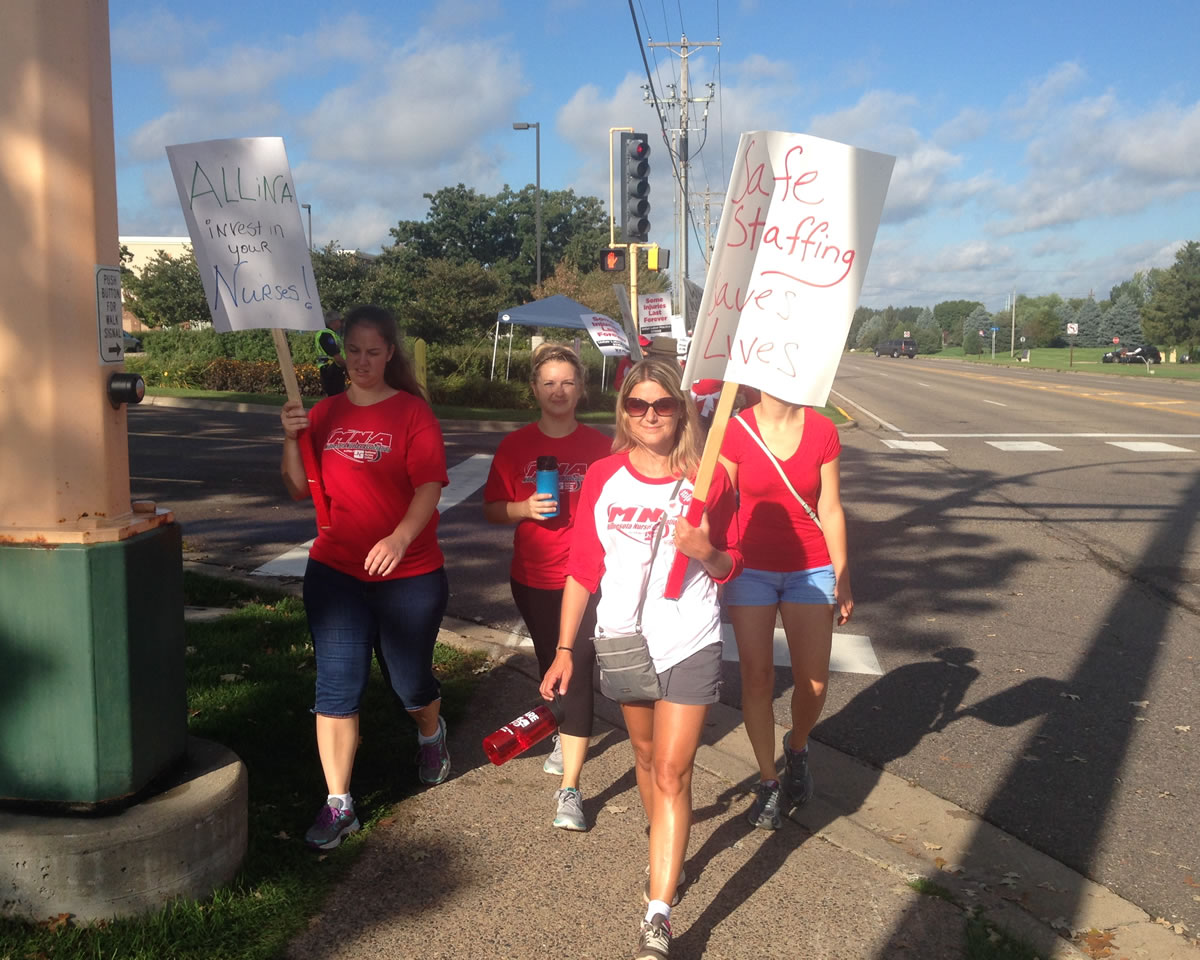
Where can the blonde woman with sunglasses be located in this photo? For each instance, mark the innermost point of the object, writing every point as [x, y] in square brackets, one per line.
[647, 483]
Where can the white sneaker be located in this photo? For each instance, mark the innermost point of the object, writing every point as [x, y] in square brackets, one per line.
[553, 762]
[568, 814]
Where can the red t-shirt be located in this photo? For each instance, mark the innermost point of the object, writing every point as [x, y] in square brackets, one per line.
[372, 460]
[540, 547]
[777, 533]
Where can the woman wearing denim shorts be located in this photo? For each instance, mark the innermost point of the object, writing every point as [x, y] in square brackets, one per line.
[796, 568]
[643, 487]
[375, 577]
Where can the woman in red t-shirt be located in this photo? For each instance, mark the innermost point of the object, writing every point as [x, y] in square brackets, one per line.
[375, 577]
[794, 544]
[541, 544]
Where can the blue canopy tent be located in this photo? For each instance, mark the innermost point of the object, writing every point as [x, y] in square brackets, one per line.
[556, 311]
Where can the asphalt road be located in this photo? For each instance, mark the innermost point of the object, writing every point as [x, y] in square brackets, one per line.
[1034, 610]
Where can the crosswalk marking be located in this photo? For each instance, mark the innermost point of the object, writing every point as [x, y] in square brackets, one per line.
[1148, 446]
[927, 446]
[851, 653]
[1021, 446]
[465, 478]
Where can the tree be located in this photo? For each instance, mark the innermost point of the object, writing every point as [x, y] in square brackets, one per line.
[1122, 320]
[951, 315]
[861, 316]
[167, 292]
[594, 288]
[978, 319]
[1172, 317]
[1088, 318]
[1137, 288]
[500, 232]
[871, 332]
[927, 332]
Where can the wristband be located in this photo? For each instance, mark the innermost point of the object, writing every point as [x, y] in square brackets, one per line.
[568, 649]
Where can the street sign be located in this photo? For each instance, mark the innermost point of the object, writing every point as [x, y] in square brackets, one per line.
[994, 329]
[1072, 329]
[1022, 339]
[1116, 339]
[907, 334]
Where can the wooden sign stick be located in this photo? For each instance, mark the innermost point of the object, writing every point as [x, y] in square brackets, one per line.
[312, 470]
[708, 464]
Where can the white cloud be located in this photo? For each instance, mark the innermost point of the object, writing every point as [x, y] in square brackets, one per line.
[157, 37]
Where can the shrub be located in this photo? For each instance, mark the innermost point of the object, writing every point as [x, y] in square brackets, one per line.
[458, 390]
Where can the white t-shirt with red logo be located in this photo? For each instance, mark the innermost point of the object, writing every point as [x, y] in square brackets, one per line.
[610, 550]
[372, 460]
[540, 547]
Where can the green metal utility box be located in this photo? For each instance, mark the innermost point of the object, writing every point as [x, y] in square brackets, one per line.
[93, 696]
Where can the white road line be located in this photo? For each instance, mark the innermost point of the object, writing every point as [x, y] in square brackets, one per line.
[859, 406]
[1022, 446]
[465, 479]
[995, 403]
[920, 384]
[852, 653]
[1139, 446]
[1063, 436]
[923, 446]
[196, 436]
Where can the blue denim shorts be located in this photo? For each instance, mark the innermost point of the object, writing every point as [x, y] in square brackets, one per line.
[765, 588]
[397, 619]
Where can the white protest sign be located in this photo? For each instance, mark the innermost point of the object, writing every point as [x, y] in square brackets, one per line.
[654, 314]
[240, 205]
[608, 335]
[796, 233]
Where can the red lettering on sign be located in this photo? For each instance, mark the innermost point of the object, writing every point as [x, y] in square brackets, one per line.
[801, 180]
[754, 178]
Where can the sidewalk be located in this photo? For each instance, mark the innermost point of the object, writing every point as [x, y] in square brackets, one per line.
[472, 868]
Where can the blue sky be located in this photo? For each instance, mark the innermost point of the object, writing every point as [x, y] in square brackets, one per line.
[1041, 146]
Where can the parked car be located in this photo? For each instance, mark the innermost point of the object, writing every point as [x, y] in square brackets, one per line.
[905, 347]
[132, 344]
[1114, 356]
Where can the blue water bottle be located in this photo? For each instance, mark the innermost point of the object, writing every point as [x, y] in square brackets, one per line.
[547, 480]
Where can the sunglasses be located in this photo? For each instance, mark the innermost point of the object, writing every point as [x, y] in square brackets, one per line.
[663, 406]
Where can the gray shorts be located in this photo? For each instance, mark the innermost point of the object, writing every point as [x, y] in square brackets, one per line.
[696, 680]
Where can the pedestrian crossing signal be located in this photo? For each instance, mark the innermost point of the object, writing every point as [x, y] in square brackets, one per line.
[612, 261]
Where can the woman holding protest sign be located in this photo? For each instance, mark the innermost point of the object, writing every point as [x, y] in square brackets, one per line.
[375, 576]
[628, 529]
[542, 540]
[783, 458]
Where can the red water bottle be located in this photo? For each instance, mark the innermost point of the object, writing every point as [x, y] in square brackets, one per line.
[522, 732]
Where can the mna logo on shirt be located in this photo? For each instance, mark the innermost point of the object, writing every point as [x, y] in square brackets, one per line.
[639, 522]
[360, 446]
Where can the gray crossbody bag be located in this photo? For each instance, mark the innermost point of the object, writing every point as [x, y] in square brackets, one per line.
[627, 673]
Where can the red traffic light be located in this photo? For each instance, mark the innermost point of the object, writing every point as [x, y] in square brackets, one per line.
[612, 261]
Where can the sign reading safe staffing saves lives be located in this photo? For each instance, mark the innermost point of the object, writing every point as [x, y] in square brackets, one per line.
[796, 233]
[239, 201]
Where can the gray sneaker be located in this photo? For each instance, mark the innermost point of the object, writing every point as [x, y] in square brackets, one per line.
[333, 825]
[679, 885]
[433, 759]
[655, 940]
[569, 815]
[764, 813]
[553, 762]
[797, 781]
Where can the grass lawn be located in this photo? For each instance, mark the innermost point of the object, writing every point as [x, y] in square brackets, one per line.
[262, 715]
[1085, 358]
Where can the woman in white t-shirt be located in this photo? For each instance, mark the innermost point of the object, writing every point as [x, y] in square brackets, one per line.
[648, 479]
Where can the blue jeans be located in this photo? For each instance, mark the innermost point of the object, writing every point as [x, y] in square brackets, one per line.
[398, 619]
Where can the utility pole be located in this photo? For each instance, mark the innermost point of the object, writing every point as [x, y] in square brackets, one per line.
[685, 49]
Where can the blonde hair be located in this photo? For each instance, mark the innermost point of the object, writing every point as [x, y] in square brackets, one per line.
[557, 353]
[685, 453]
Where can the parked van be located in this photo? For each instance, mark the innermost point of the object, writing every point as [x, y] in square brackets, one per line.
[906, 347]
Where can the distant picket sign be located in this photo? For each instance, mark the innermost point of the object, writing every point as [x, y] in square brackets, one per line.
[608, 335]
[797, 229]
[239, 201]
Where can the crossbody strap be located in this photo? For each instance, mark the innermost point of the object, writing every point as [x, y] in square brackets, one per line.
[778, 466]
[662, 522]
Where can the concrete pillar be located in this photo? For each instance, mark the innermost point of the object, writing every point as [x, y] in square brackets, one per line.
[64, 462]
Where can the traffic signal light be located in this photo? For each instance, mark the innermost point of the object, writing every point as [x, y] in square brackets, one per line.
[612, 260]
[635, 187]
